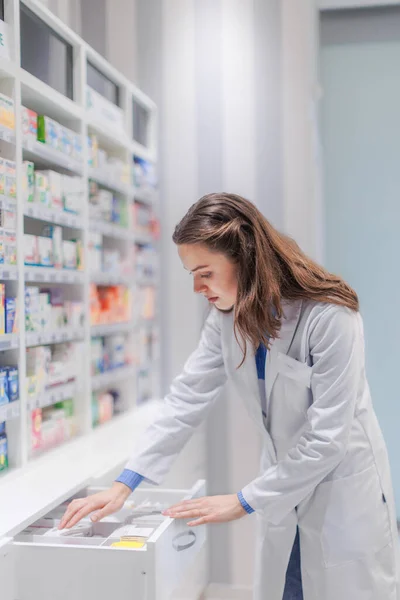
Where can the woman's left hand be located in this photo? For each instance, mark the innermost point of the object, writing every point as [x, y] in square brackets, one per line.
[210, 509]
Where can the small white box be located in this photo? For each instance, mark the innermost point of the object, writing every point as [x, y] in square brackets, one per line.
[69, 254]
[31, 255]
[45, 251]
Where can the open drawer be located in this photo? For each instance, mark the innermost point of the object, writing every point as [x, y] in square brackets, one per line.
[135, 554]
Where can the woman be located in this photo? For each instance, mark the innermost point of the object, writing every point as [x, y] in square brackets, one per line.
[324, 495]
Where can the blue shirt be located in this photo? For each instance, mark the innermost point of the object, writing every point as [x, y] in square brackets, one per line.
[133, 479]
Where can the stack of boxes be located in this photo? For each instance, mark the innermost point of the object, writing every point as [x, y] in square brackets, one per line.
[112, 304]
[46, 310]
[9, 318]
[52, 189]
[50, 250]
[43, 129]
[112, 169]
[106, 206]
[108, 353]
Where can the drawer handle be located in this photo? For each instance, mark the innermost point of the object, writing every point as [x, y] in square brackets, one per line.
[179, 546]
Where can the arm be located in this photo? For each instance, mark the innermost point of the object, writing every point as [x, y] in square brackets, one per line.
[337, 352]
[190, 399]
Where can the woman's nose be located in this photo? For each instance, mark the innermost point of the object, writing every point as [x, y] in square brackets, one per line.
[199, 287]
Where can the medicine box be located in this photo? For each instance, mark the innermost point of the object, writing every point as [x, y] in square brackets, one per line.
[29, 123]
[31, 256]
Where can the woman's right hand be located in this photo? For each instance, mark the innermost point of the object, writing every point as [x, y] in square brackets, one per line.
[101, 504]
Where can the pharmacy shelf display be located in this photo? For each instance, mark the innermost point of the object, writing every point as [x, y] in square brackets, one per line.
[78, 245]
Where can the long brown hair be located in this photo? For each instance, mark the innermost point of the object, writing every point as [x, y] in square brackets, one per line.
[270, 265]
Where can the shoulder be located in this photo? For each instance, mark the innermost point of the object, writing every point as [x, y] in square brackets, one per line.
[330, 321]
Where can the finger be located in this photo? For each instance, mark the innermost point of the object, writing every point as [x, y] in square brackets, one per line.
[189, 514]
[201, 521]
[83, 512]
[109, 509]
[181, 506]
[69, 513]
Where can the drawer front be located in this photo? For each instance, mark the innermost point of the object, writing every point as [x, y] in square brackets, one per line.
[176, 551]
[7, 570]
[73, 573]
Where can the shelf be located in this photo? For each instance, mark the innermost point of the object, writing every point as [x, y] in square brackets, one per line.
[111, 279]
[7, 134]
[145, 196]
[9, 411]
[110, 329]
[7, 203]
[143, 239]
[45, 100]
[52, 275]
[37, 151]
[36, 211]
[146, 282]
[107, 138]
[34, 338]
[53, 395]
[97, 175]
[8, 273]
[110, 378]
[8, 341]
[111, 230]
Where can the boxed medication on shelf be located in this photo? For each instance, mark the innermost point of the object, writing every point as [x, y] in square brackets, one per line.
[12, 383]
[54, 189]
[7, 116]
[8, 219]
[3, 451]
[31, 253]
[95, 251]
[69, 252]
[49, 132]
[77, 147]
[55, 233]
[2, 176]
[72, 192]
[4, 397]
[28, 181]
[10, 178]
[2, 308]
[66, 141]
[45, 251]
[42, 189]
[29, 123]
[11, 315]
[144, 174]
[32, 309]
[10, 248]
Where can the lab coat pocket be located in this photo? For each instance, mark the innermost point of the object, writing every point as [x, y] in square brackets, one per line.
[294, 369]
[354, 517]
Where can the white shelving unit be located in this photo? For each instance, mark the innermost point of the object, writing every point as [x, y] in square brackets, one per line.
[29, 91]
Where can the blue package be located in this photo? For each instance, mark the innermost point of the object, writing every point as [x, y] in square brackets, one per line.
[10, 308]
[3, 386]
[2, 428]
[12, 383]
[3, 453]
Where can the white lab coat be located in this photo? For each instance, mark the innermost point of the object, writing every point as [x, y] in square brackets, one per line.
[323, 451]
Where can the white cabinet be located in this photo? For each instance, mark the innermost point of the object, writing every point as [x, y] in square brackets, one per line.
[51, 566]
[6, 569]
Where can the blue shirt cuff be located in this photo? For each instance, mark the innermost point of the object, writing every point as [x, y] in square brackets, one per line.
[130, 478]
[243, 502]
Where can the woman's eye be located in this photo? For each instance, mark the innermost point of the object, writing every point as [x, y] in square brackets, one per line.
[205, 276]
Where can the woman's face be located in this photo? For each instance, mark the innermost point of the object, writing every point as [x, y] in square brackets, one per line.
[214, 275]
